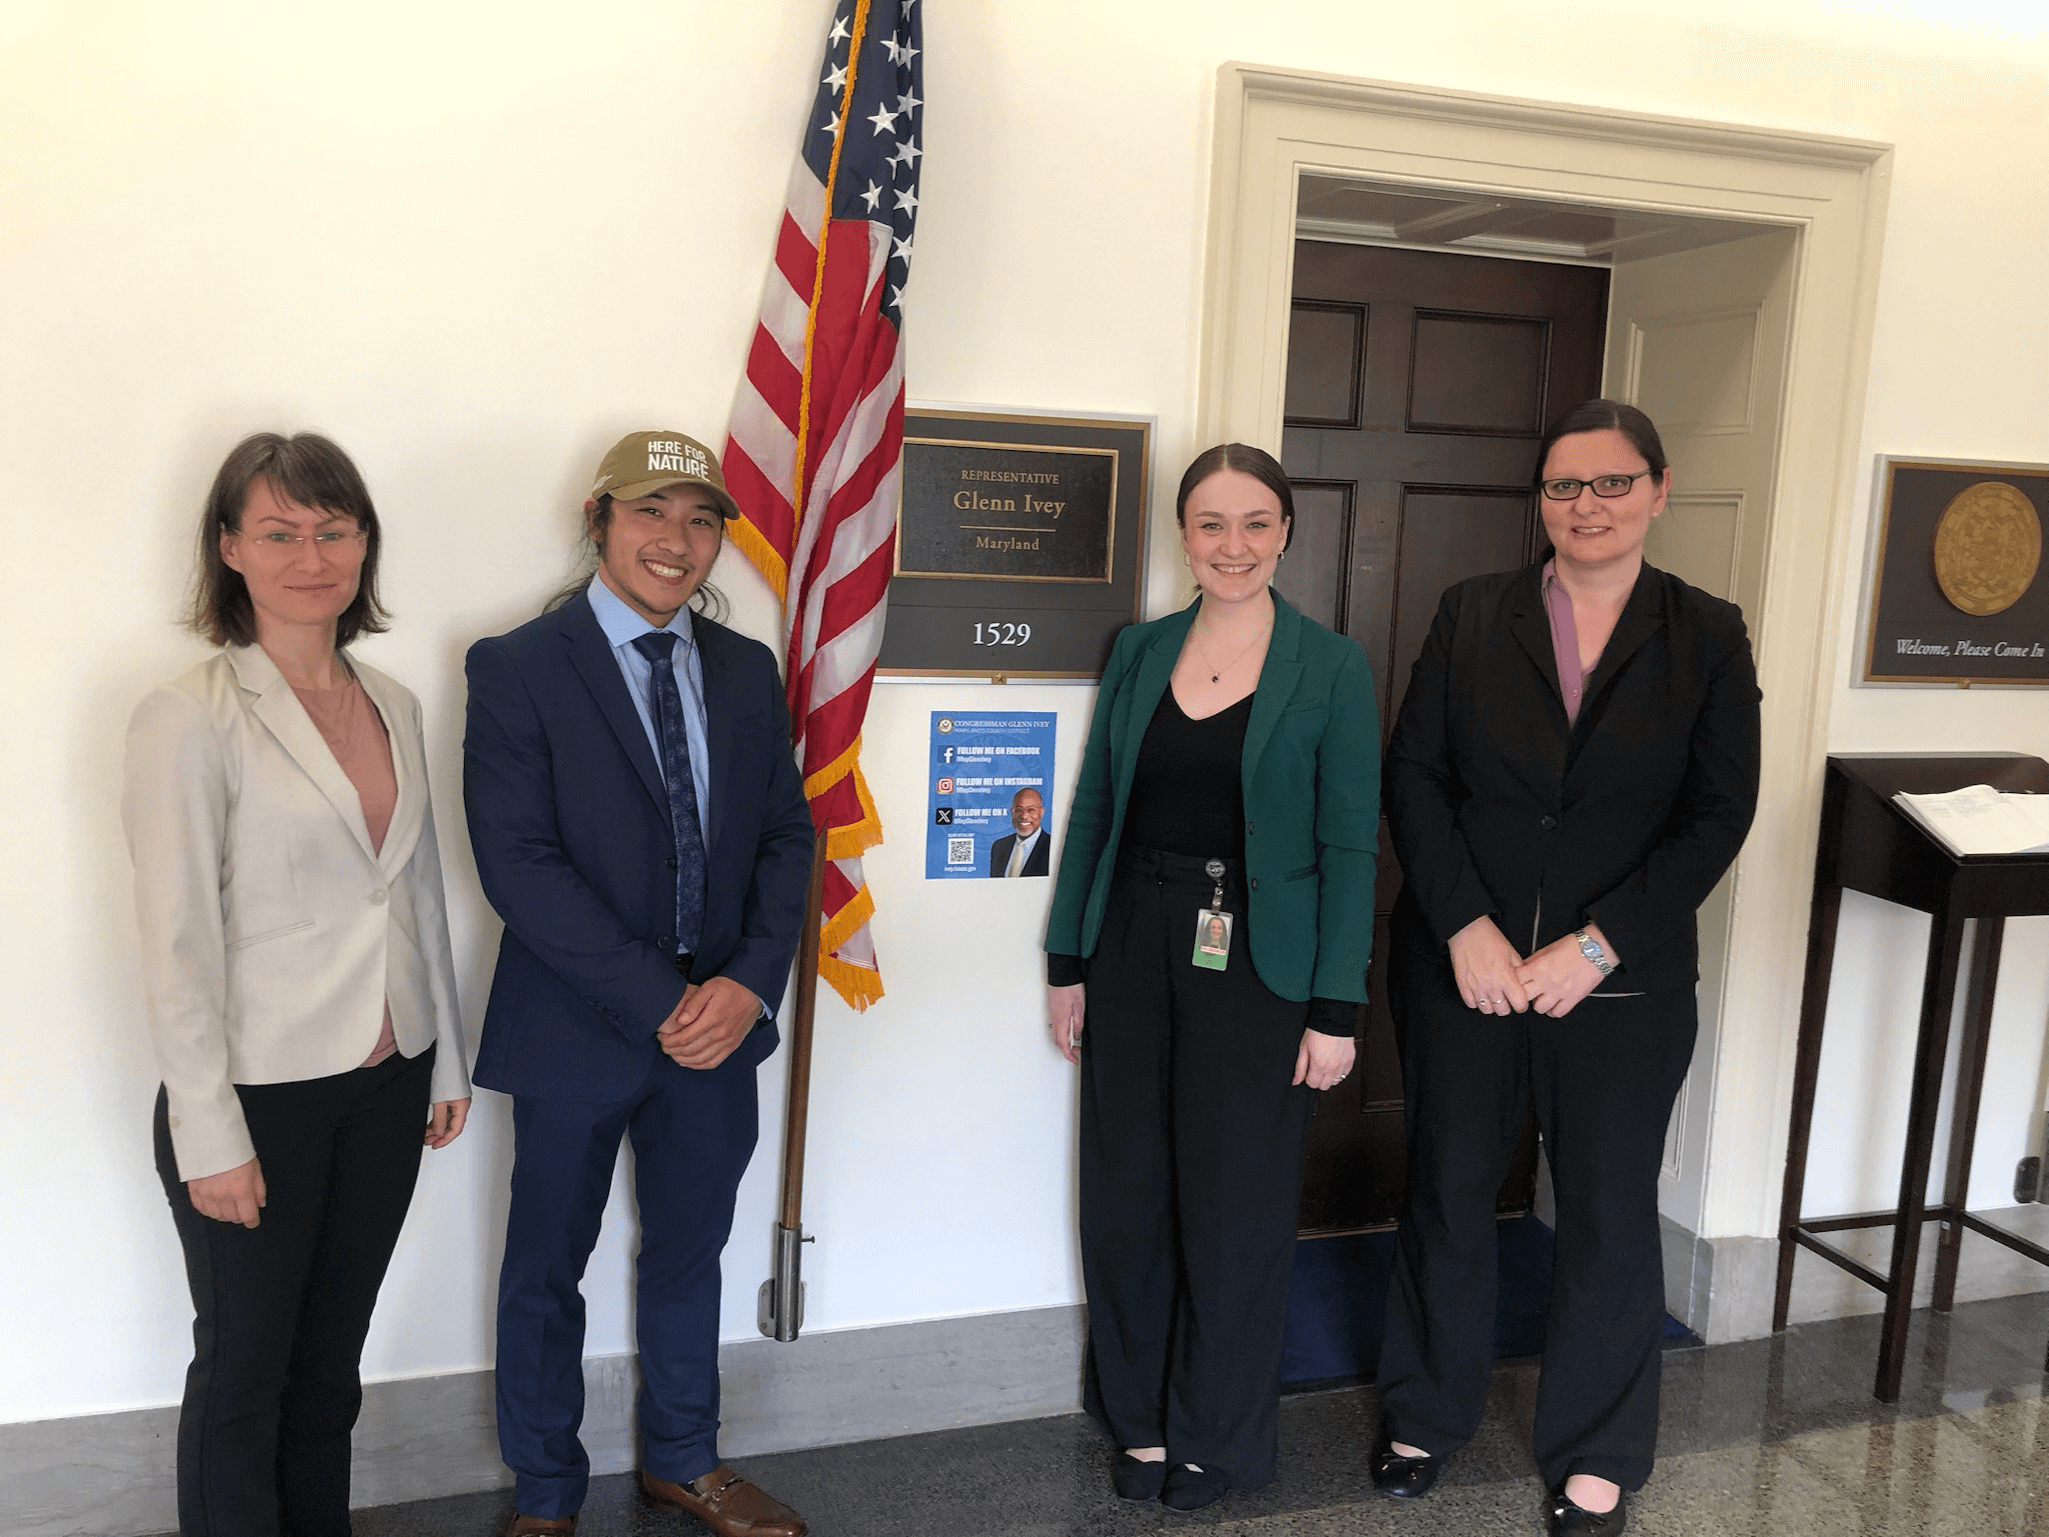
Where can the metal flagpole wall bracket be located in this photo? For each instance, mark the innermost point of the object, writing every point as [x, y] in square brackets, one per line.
[779, 1306]
[786, 1279]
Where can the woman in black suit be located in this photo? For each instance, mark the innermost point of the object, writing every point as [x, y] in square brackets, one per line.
[1574, 767]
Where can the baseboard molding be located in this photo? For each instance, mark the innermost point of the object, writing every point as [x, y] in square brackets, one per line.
[1723, 1288]
[112, 1475]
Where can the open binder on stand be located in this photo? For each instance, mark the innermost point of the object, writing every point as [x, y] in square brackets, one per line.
[1979, 820]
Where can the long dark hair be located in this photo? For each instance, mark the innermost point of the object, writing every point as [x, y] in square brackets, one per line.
[1247, 460]
[706, 600]
[1605, 416]
[307, 470]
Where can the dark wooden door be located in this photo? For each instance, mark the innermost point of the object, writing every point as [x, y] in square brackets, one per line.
[1419, 384]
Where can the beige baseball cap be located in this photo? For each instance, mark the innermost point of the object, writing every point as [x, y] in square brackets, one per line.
[642, 462]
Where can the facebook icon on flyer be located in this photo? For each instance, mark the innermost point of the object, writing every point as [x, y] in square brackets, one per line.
[991, 779]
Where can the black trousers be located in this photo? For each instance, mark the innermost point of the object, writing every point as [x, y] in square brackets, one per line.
[1192, 1139]
[281, 1309]
[1603, 1080]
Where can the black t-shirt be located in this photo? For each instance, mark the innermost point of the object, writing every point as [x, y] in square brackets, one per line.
[1187, 789]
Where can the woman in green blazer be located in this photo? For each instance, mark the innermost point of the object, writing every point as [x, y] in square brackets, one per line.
[1210, 927]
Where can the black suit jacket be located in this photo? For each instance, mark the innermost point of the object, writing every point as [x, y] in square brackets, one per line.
[1626, 818]
[1039, 862]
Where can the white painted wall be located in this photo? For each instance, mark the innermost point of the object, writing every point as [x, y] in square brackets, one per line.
[475, 242]
[1958, 320]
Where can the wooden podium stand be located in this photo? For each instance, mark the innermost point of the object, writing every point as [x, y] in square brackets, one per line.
[1869, 844]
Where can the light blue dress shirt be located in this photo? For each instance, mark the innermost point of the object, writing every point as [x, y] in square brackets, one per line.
[622, 626]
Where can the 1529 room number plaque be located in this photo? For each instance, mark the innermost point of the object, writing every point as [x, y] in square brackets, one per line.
[1019, 543]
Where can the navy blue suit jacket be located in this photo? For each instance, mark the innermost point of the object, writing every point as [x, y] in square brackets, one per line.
[570, 827]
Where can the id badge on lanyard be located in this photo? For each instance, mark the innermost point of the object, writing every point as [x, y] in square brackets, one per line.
[1213, 925]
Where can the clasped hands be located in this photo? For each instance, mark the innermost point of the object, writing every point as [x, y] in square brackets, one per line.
[1494, 979]
[709, 1020]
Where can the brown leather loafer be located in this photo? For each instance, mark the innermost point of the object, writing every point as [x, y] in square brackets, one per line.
[541, 1526]
[727, 1503]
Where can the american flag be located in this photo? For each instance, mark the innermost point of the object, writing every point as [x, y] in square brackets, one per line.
[815, 449]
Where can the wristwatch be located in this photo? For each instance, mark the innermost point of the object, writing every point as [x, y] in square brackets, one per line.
[1590, 947]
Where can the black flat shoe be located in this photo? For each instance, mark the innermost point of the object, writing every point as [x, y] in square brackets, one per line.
[1136, 1480]
[1192, 1488]
[1567, 1518]
[1403, 1478]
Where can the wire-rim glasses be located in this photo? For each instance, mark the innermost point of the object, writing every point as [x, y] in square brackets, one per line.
[327, 539]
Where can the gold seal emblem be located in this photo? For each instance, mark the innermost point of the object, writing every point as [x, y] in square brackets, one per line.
[1988, 545]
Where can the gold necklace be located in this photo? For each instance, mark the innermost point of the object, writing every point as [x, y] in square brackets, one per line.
[338, 714]
[1215, 676]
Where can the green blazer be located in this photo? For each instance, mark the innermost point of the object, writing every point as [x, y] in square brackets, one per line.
[1312, 801]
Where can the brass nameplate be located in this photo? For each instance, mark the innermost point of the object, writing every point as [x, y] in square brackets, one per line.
[1007, 512]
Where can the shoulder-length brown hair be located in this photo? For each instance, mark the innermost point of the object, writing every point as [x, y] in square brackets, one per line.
[305, 469]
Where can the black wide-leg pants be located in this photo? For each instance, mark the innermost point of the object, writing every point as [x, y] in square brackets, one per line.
[281, 1309]
[1192, 1139]
[1603, 1080]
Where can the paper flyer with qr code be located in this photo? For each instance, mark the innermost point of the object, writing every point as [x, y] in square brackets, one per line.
[990, 775]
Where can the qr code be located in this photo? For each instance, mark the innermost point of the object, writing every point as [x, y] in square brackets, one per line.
[960, 851]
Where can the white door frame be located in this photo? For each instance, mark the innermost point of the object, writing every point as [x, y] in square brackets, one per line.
[1274, 124]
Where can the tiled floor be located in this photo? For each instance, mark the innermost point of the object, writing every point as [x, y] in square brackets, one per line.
[1765, 1437]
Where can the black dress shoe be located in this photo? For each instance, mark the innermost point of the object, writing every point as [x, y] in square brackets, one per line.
[1136, 1480]
[1403, 1478]
[1192, 1488]
[1567, 1519]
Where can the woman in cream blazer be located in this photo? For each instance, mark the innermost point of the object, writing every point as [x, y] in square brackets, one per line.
[301, 988]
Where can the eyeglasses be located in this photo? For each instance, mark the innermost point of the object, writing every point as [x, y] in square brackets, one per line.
[1609, 486]
[327, 539]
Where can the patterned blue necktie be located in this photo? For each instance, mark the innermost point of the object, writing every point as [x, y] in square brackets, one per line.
[659, 648]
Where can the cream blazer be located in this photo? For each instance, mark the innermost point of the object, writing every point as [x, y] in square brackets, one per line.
[272, 937]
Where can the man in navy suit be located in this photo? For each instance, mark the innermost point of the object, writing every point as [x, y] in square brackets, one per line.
[640, 825]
